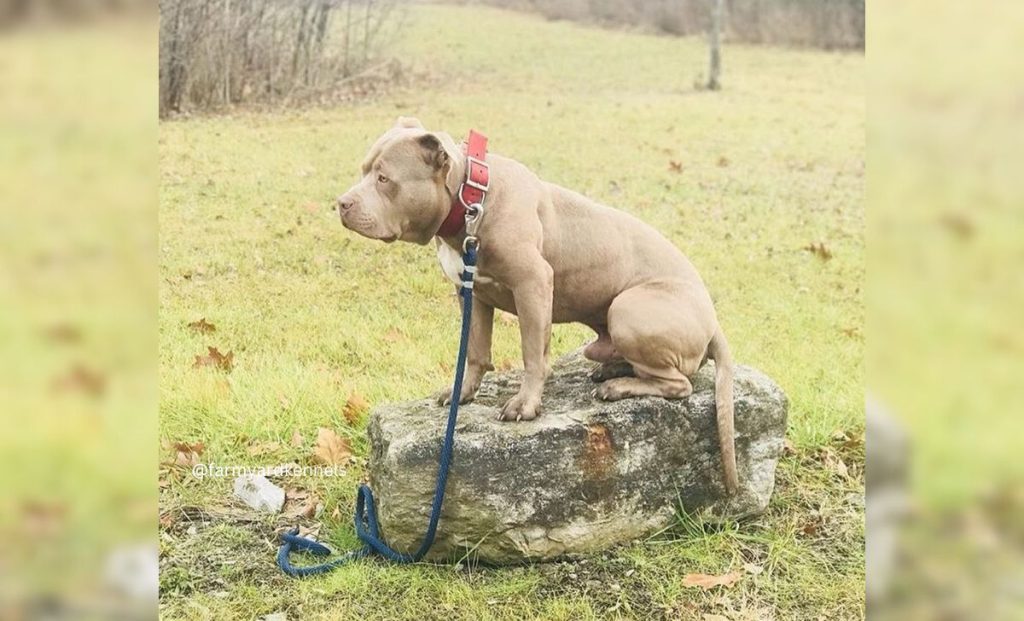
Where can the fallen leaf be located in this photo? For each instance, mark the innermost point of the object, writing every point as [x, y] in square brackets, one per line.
[331, 448]
[309, 532]
[674, 166]
[202, 326]
[723, 161]
[336, 514]
[394, 335]
[833, 462]
[214, 358]
[819, 249]
[63, 333]
[708, 582]
[297, 439]
[811, 527]
[167, 520]
[300, 503]
[959, 224]
[355, 407]
[81, 378]
[43, 518]
[186, 455]
[852, 332]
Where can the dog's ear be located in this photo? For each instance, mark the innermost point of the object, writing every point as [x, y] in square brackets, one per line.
[440, 152]
[408, 121]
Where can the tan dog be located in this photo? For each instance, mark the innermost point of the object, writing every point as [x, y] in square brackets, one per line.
[551, 255]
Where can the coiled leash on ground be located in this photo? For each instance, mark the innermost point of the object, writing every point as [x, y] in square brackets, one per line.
[367, 527]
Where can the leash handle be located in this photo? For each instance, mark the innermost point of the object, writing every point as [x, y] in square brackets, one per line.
[366, 524]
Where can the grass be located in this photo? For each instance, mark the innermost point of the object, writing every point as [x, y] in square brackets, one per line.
[314, 314]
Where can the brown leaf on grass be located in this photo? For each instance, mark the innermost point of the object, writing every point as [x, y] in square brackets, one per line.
[309, 532]
[43, 518]
[80, 378]
[214, 358]
[811, 527]
[300, 503]
[852, 332]
[331, 448]
[958, 224]
[394, 335]
[819, 249]
[355, 407]
[336, 514]
[167, 520]
[708, 582]
[202, 326]
[263, 448]
[186, 455]
[297, 440]
[723, 161]
[674, 166]
[833, 462]
[63, 333]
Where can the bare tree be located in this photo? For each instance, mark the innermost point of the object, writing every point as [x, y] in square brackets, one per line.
[215, 54]
[715, 45]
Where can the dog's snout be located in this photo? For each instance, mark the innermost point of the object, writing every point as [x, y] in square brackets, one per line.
[345, 203]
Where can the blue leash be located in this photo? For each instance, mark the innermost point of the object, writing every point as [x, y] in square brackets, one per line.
[367, 527]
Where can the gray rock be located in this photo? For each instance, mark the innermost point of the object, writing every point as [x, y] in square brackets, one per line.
[583, 476]
[259, 493]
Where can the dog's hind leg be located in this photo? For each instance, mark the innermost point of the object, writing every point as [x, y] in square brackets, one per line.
[603, 350]
[662, 331]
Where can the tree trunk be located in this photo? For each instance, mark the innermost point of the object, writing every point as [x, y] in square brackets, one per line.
[227, 32]
[715, 44]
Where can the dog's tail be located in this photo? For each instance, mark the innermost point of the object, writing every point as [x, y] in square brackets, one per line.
[718, 350]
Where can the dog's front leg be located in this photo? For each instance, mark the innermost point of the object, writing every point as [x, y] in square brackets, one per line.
[533, 298]
[478, 358]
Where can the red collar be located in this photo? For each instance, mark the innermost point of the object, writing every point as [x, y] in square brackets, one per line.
[473, 190]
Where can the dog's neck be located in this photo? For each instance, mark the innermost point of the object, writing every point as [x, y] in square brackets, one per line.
[465, 193]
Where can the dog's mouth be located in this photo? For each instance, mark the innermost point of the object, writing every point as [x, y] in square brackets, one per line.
[368, 230]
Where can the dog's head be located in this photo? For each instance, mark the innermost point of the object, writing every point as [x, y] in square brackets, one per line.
[409, 178]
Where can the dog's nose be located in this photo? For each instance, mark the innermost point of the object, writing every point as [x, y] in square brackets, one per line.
[345, 203]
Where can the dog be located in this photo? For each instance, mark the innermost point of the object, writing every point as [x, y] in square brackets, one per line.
[550, 255]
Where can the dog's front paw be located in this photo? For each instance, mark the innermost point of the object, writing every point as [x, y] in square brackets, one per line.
[444, 396]
[520, 407]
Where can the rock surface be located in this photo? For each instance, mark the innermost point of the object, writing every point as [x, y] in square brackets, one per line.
[259, 493]
[583, 476]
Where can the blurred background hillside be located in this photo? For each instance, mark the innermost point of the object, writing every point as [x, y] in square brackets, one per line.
[215, 54]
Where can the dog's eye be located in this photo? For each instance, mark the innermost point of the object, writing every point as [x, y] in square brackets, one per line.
[382, 179]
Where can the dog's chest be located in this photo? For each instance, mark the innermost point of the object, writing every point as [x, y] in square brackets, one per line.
[452, 266]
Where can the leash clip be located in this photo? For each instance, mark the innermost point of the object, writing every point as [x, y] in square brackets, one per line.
[474, 212]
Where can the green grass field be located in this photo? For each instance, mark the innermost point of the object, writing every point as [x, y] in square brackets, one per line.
[314, 314]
